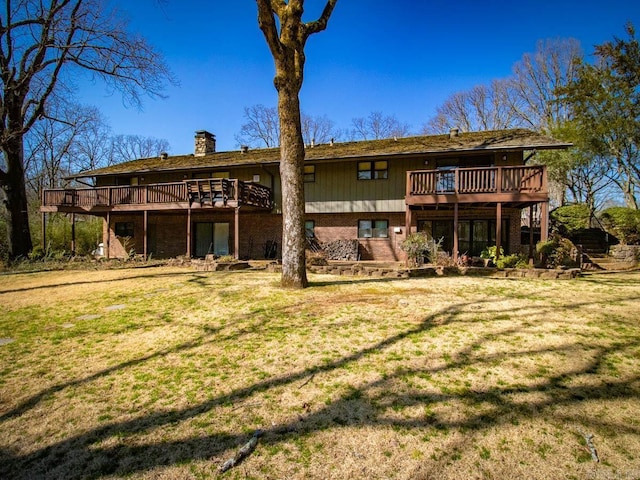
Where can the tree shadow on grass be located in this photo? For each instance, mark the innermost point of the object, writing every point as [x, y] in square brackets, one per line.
[91, 454]
[98, 281]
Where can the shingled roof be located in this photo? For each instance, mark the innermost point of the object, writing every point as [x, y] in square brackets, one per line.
[498, 140]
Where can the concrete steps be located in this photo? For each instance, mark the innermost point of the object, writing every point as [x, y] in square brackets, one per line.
[604, 262]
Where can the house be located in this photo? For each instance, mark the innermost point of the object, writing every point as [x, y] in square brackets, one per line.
[468, 188]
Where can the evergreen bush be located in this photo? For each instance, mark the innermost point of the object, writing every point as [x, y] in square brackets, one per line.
[623, 223]
[570, 219]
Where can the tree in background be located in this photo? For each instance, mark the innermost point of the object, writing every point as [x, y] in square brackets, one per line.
[41, 45]
[529, 99]
[262, 128]
[377, 126]
[319, 129]
[525, 99]
[130, 147]
[481, 108]
[286, 38]
[535, 80]
[581, 177]
[605, 105]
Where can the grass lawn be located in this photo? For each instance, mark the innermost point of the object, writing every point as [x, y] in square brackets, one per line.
[165, 373]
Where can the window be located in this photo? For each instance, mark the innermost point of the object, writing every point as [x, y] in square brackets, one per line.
[309, 229]
[124, 229]
[309, 173]
[373, 228]
[473, 235]
[373, 170]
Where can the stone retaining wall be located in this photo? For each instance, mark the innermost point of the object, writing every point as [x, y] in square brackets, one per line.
[625, 253]
[372, 271]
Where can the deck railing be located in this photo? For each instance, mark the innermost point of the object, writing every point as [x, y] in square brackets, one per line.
[245, 193]
[517, 179]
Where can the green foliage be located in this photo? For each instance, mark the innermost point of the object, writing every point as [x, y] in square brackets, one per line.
[557, 252]
[88, 233]
[605, 106]
[571, 218]
[507, 261]
[623, 223]
[419, 245]
[491, 252]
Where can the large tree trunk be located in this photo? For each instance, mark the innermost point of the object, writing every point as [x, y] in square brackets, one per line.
[287, 48]
[294, 272]
[13, 186]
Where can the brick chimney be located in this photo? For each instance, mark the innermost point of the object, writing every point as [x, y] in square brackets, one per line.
[205, 143]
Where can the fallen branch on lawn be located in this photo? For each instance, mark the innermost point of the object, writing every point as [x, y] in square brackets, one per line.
[588, 438]
[307, 381]
[242, 453]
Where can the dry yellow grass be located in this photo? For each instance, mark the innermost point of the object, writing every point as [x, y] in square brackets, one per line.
[165, 373]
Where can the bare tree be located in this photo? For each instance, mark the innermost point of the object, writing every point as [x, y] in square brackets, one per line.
[286, 38]
[50, 145]
[41, 43]
[526, 99]
[131, 147]
[262, 128]
[481, 108]
[93, 145]
[377, 126]
[536, 79]
[316, 130]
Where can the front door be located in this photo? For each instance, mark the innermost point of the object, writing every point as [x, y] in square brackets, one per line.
[211, 238]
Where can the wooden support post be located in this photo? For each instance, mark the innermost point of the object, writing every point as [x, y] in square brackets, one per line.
[73, 234]
[145, 223]
[44, 231]
[498, 228]
[456, 240]
[108, 243]
[189, 233]
[544, 221]
[531, 232]
[408, 220]
[236, 234]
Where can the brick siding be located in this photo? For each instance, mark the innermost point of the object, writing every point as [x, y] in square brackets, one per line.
[167, 232]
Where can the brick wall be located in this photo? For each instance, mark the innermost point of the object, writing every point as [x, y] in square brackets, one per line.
[167, 235]
[478, 214]
[167, 232]
[119, 247]
[330, 227]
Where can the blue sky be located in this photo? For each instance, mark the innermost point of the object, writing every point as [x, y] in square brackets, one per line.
[401, 57]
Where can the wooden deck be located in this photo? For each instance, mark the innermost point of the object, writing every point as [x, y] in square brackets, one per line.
[518, 184]
[196, 193]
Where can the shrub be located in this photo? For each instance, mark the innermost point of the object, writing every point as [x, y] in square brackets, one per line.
[556, 252]
[623, 223]
[88, 233]
[507, 261]
[418, 245]
[570, 219]
[490, 253]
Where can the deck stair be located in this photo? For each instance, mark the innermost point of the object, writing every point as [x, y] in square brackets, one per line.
[593, 241]
[604, 262]
[595, 244]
